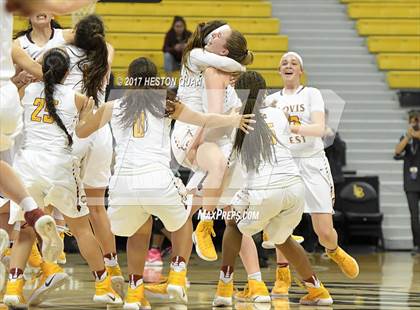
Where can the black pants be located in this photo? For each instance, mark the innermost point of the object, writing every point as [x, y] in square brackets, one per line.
[413, 199]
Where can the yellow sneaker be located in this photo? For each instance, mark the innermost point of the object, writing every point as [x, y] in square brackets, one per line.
[105, 294]
[14, 293]
[135, 299]
[224, 294]
[35, 258]
[347, 263]
[177, 285]
[281, 303]
[156, 290]
[52, 277]
[203, 243]
[255, 291]
[62, 259]
[6, 257]
[317, 295]
[283, 282]
[117, 279]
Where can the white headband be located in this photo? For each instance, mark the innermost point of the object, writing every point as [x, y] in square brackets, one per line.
[208, 38]
[294, 54]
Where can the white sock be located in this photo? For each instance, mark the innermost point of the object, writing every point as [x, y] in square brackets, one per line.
[178, 267]
[28, 204]
[255, 276]
[226, 277]
[111, 262]
[137, 284]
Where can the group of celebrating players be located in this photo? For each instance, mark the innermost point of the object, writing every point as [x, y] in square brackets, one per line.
[61, 136]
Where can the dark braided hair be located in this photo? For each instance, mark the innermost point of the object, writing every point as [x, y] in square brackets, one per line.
[55, 65]
[142, 96]
[90, 36]
[256, 146]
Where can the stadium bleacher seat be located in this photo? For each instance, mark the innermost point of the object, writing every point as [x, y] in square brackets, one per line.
[404, 79]
[384, 10]
[400, 61]
[388, 27]
[377, 44]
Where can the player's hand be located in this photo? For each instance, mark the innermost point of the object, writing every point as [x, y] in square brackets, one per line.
[233, 78]
[294, 128]
[243, 121]
[410, 132]
[88, 109]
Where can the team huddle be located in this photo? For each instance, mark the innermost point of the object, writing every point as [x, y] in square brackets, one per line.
[65, 145]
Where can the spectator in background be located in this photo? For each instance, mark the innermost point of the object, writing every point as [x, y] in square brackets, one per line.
[409, 150]
[173, 47]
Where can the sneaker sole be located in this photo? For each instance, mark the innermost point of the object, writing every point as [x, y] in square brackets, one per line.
[318, 302]
[154, 264]
[177, 292]
[58, 280]
[52, 245]
[117, 283]
[279, 295]
[135, 306]
[222, 302]
[197, 250]
[106, 300]
[13, 301]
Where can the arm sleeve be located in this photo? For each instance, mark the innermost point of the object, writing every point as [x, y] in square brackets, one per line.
[317, 102]
[203, 59]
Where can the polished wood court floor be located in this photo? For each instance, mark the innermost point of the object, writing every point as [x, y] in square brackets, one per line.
[387, 281]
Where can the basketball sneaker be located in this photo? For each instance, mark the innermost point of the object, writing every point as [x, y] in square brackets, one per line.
[254, 291]
[14, 292]
[52, 277]
[104, 293]
[6, 257]
[4, 245]
[283, 282]
[154, 258]
[157, 290]
[135, 299]
[202, 238]
[224, 294]
[177, 283]
[44, 225]
[62, 259]
[117, 279]
[347, 264]
[268, 245]
[317, 295]
[35, 258]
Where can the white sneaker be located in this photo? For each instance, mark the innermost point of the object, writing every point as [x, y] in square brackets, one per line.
[52, 245]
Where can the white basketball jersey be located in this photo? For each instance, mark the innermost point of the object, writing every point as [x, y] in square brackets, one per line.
[146, 142]
[299, 107]
[34, 50]
[40, 130]
[75, 77]
[7, 70]
[283, 167]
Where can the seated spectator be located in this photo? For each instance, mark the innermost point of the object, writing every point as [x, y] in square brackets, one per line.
[175, 41]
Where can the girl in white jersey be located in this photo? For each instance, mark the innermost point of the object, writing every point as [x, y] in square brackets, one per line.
[90, 66]
[213, 94]
[143, 184]
[306, 111]
[275, 191]
[50, 112]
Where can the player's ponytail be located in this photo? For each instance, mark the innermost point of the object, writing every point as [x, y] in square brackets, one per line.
[196, 40]
[55, 65]
[237, 46]
[90, 36]
[145, 94]
[256, 146]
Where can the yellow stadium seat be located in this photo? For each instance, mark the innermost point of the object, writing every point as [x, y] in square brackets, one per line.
[127, 41]
[406, 61]
[136, 24]
[216, 9]
[388, 27]
[384, 10]
[378, 44]
[404, 79]
[379, 1]
[262, 60]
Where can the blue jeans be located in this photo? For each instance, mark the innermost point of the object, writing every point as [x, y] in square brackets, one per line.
[170, 63]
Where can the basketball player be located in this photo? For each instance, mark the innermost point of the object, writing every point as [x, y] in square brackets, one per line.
[143, 184]
[306, 110]
[275, 191]
[10, 117]
[50, 110]
[90, 67]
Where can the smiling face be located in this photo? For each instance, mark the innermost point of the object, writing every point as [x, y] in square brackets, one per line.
[217, 43]
[41, 19]
[290, 69]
